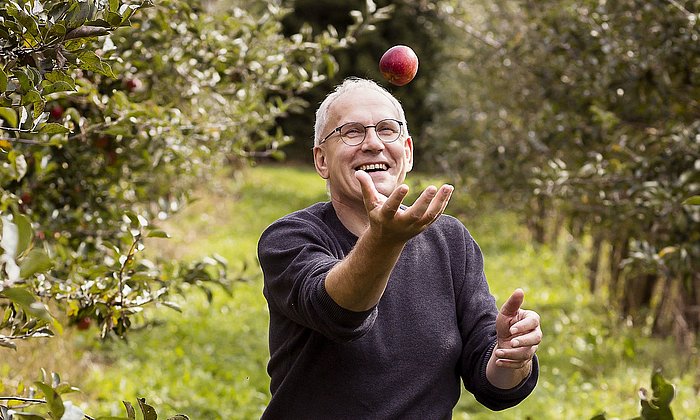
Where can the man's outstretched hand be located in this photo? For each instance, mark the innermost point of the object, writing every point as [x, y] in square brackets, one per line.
[401, 224]
[518, 335]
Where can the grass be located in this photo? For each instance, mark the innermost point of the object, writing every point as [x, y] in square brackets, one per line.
[209, 361]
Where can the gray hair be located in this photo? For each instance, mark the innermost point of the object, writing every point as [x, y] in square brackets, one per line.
[348, 85]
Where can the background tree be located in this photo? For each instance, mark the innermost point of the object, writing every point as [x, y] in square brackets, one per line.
[585, 115]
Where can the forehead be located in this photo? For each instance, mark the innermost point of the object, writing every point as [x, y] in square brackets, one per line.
[362, 105]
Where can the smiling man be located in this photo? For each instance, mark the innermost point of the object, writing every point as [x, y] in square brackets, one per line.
[379, 309]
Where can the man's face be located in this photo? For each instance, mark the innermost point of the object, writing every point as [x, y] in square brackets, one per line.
[386, 163]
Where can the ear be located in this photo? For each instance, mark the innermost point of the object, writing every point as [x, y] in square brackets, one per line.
[320, 162]
[408, 150]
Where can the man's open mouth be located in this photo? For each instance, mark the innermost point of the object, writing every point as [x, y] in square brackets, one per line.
[372, 167]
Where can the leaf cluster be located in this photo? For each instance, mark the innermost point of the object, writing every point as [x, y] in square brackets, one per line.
[584, 115]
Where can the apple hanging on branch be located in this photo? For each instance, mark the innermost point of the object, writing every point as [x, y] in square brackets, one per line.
[399, 65]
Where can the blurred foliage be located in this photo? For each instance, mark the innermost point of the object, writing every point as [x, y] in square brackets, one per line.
[111, 112]
[584, 116]
[413, 23]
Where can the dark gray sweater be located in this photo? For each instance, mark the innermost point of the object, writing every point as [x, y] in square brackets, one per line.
[402, 359]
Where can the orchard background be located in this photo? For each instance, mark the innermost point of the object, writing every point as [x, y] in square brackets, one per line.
[571, 131]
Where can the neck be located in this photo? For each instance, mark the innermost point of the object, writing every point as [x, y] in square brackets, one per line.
[352, 215]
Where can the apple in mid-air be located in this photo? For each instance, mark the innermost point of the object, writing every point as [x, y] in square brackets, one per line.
[399, 65]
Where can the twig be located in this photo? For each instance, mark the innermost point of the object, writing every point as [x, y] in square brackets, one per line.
[27, 400]
[680, 7]
[20, 140]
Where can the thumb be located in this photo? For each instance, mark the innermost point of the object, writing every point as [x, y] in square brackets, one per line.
[512, 305]
[369, 191]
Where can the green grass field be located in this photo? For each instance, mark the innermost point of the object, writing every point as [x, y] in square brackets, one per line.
[209, 361]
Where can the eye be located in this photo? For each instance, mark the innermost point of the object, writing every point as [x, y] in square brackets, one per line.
[388, 127]
[353, 130]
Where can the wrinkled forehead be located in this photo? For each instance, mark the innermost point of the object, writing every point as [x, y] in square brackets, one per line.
[362, 105]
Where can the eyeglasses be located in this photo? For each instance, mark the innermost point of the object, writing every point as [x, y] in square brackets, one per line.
[354, 133]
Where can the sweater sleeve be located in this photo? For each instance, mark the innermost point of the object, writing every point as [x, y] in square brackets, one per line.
[477, 313]
[295, 255]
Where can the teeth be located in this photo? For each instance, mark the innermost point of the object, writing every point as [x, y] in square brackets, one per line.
[373, 166]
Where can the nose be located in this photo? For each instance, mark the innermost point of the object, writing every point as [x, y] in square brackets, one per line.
[372, 142]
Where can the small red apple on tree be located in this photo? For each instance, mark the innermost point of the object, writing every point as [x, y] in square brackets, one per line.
[399, 65]
[84, 323]
[57, 112]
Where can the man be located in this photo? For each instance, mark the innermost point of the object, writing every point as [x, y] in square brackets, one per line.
[377, 309]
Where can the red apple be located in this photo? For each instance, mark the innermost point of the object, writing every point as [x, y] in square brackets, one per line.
[26, 198]
[102, 142]
[133, 85]
[84, 323]
[399, 65]
[57, 112]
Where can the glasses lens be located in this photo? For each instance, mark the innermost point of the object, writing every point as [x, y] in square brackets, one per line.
[388, 130]
[352, 133]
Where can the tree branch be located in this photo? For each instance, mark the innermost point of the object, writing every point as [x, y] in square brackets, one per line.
[26, 400]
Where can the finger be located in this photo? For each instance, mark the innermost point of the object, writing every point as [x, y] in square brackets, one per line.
[370, 195]
[446, 190]
[418, 209]
[512, 305]
[522, 354]
[440, 201]
[393, 202]
[512, 364]
[437, 205]
[533, 338]
[529, 322]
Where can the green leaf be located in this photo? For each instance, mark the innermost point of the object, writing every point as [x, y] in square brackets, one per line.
[88, 60]
[32, 96]
[38, 114]
[29, 22]
[149, 413]
[18, 295]
[59, 86]
[53, 400]
[157, 234]
[3, 80]
[53, 128]
[25, 82]
[57, 30]
[59, 76]
[692, 201]
[130, 412]
[114, 19]
[9, 115]
[179, 417]
[100, 23]
[25, 232]
[113, 5]
[37, 261]
[663, 390]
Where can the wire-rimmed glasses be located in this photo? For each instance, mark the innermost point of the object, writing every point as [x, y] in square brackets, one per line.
[354, 133]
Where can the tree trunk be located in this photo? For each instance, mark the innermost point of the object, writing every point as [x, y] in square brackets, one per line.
[638, 293]
[594, 263]
[617, 254]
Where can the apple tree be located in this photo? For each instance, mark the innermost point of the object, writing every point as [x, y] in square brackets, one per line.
[584, 115]
[111, 113]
